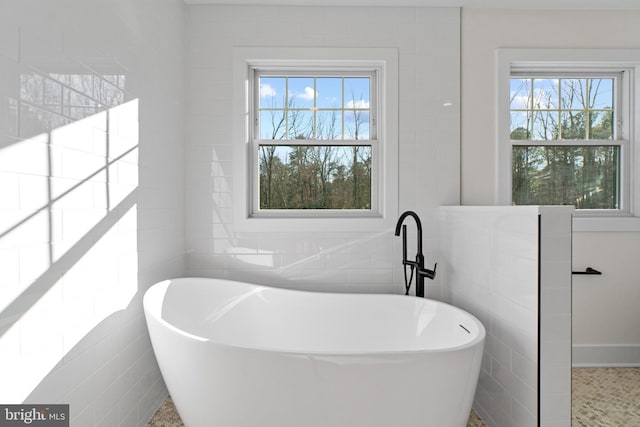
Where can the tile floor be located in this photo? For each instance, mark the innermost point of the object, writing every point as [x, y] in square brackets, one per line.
[167, 416]
[606, 397]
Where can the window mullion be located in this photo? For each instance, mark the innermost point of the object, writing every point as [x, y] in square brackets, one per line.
[533, 116]
[286, 108]
[315, 107]
[587, 113]
[342, 105]
[559, 101]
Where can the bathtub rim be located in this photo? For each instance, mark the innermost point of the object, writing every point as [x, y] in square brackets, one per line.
[160, 288]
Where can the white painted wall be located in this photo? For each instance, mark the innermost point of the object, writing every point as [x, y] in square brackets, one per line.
[484, 31]
[605, 308]
[91, 200]
[427, 41]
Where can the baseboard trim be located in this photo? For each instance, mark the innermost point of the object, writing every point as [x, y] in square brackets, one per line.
[605, 356]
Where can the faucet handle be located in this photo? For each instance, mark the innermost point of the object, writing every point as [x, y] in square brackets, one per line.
[431, 274]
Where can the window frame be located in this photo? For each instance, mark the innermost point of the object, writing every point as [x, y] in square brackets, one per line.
[245, 148]
[587, 62]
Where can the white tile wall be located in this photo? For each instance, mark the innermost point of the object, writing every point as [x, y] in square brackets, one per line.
[91, 200]
[428, 45]
[484, 250]
[555, 316]
[501, 264]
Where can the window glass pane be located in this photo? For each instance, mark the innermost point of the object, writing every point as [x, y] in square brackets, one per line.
[329, 92]
[574, 94]
[356, 124]
[545, 125]
[301, 92]
[520, 125]
[573, 124]
[356, 92]
[300, 124]
[584, 176]
[329, 124]
[315, 177]
[601, 125]
[272, 92]
[601, 94]
[520, 94]
[545, 94]
[272, 124]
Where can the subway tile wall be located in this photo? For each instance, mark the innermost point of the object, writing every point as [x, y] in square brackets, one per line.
[427, 41]
[492, 271]
[500, 265]
[91, 200]
[555, 315]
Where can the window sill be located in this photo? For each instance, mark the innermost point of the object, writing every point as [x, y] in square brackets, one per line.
[628, 223]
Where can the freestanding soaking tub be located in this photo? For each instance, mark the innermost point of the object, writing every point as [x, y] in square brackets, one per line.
[240, 355]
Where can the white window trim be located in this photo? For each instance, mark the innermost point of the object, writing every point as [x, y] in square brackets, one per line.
[386, 59]
[629, 59]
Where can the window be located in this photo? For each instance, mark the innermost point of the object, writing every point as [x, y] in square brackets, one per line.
[566, 137]
[566, 134]
[315, 137]
[315, 141]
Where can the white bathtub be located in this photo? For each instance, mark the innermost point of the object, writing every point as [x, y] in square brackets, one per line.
[240, 355]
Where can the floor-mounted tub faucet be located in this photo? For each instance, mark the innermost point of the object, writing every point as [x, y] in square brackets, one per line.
[418, 264]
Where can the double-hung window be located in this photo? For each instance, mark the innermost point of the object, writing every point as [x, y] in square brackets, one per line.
[315, 138]
[566, 133]
[315, 145]
[567, 139]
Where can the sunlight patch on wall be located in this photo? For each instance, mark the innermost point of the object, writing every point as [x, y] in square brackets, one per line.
[68, 223]
[98, 285]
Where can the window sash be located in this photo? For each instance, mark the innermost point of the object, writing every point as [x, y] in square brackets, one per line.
[255, 181]
[532, 176]
[351, 72]
[617, 106]
[624, 174]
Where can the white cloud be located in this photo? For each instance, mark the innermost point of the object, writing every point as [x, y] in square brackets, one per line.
[361, 103]
[266, 90]
[308, 94]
